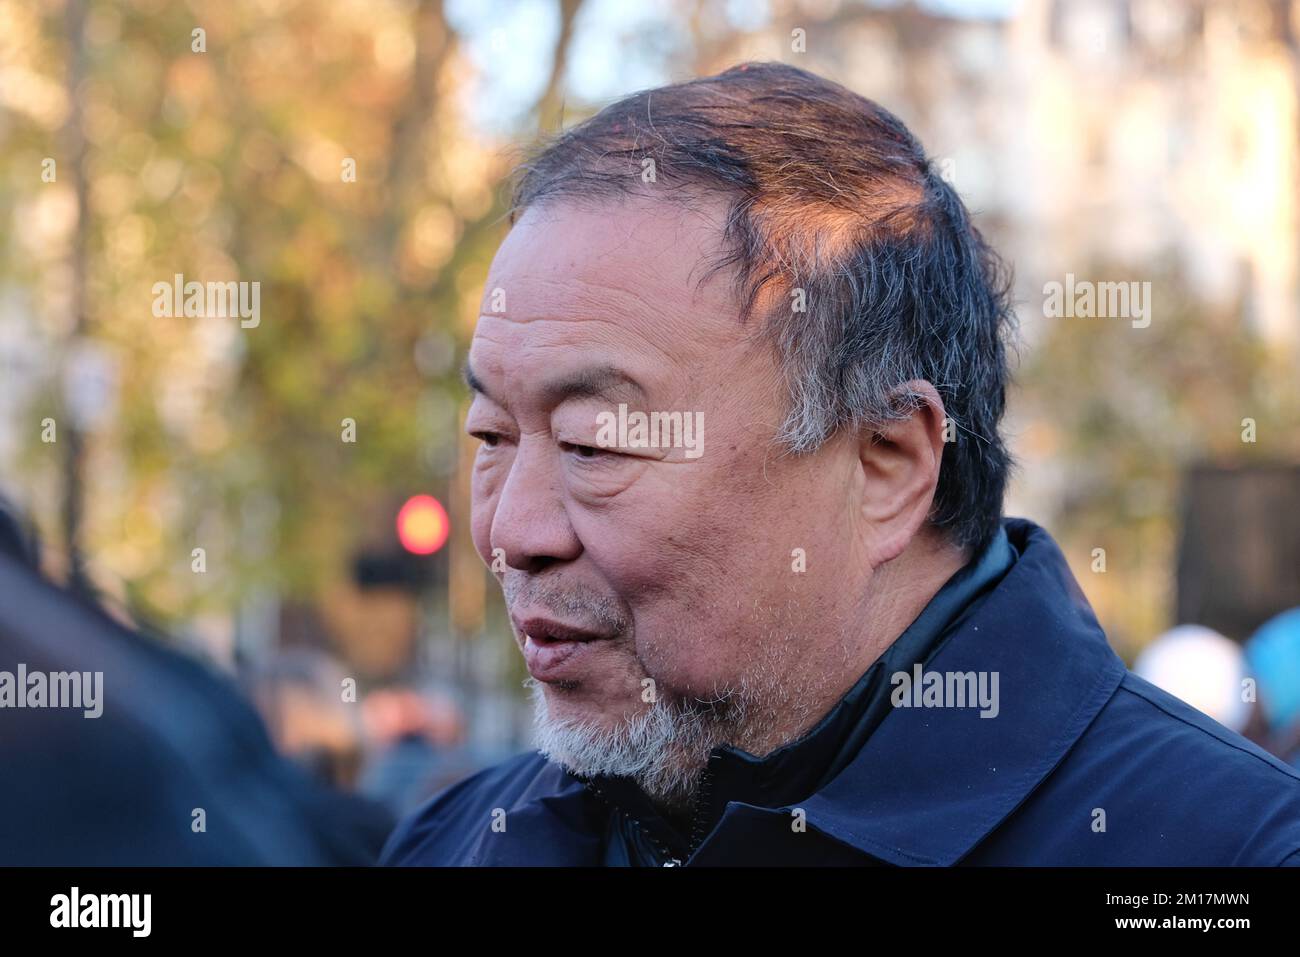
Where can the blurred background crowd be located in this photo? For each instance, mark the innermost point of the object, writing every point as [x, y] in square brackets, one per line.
[287, 503]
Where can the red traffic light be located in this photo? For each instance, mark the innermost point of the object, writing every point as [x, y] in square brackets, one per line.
[422, 525]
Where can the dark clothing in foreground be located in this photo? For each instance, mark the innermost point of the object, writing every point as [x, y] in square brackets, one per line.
[1076, 762]
[172, 738]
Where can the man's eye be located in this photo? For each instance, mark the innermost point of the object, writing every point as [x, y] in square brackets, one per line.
[490, 439]
[583, 451]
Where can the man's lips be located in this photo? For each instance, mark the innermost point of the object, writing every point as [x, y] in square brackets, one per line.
[554, 650]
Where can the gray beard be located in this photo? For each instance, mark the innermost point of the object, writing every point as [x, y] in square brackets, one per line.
[665, 747]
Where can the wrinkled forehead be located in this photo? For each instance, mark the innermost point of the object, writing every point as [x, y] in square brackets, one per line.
[627, 282]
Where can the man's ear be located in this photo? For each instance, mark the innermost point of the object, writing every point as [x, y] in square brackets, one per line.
[900, 468]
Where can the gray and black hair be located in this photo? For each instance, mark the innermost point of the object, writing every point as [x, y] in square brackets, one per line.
[830, 194]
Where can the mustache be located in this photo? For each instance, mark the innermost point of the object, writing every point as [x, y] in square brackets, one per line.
[573, 602]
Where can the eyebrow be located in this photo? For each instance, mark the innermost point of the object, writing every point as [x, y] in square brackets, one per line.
[473, 382]
[603, 381]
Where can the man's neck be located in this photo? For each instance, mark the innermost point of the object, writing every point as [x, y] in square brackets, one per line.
[900, 589]
[896, 593]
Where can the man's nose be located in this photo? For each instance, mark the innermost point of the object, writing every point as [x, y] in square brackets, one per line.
[531, 525]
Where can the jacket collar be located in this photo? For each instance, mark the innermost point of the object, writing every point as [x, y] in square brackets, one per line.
[930, 783]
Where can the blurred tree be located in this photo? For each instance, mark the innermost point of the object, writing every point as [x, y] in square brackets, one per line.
[319, 148]
[1122, 410]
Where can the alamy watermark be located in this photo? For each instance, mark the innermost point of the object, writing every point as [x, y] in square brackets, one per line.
[651, 430]
[1085, 299]
[75, 909]
[53, 689]
[946, 689]
[221, 300]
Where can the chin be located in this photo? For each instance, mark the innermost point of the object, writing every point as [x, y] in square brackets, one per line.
[590, 736]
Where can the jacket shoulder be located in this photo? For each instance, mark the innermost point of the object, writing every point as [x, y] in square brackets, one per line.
[1193, 783]
[441, 831]
[1182, 725]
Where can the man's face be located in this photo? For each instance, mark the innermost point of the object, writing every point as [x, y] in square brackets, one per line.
[636, 574]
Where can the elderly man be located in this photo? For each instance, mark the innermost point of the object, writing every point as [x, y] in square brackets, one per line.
[737, 382]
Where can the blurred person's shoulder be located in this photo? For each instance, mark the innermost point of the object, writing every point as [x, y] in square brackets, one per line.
[499, 815]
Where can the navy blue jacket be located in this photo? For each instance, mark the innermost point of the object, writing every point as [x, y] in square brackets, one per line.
[1084, 764]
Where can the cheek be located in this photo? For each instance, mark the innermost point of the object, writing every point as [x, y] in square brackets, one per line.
[696, 656]
[648, 542]
[684, 571]
[704, 560]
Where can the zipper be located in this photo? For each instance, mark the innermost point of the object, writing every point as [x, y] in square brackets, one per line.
[659, 845]
[700, 814]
